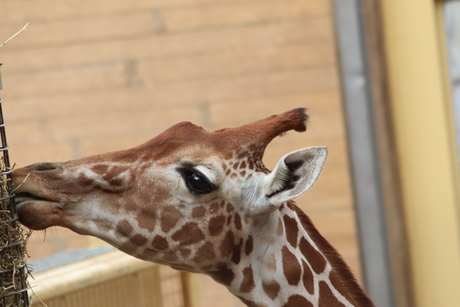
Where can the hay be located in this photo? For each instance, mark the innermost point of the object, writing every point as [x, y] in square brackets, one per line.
[13, 238]
[13, 267]
[14, 35]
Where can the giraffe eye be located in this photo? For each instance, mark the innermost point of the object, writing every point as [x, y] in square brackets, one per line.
[196, 182]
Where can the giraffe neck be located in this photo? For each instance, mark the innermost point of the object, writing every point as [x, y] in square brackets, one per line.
[288, 263]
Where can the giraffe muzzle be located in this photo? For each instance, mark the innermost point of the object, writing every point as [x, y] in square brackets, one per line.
[36, 207]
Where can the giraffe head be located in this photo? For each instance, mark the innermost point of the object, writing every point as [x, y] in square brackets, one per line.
[187, 198]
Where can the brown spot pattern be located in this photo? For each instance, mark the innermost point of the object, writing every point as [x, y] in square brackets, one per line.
[145, 221]
[190, 233]
[229, 207]
[236, 257]
[307, 278]
[248, 281]
[326, 297]
[291, 267]
[223, 275]
[138, 240]
[249, 245]
[127, 246]
[216, 225]
[226, 247]
[198, 212]
[292, 231]
[124, 228]
[238, 224]
[205, 253]
[185, 252]
[297, 301]
[315, 258]
[84, 180]
[110, 174]
[271, 288]
[160, 243]
[169, 218]
[114, 181]
[100, 168]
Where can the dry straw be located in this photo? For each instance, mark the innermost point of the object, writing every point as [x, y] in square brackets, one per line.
[14, 35]
[13, 238]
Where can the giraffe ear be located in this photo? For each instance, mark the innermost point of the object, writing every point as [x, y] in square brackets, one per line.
[294, 174]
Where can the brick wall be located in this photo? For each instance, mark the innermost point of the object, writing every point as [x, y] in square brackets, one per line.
[94, 76]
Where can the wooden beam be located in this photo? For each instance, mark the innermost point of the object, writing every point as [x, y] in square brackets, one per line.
[386, 146]
[190, 289]
[422, 124]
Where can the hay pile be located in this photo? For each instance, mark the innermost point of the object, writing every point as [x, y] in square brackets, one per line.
[13, 267]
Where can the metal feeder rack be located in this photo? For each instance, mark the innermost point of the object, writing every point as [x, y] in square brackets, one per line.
[13, 267]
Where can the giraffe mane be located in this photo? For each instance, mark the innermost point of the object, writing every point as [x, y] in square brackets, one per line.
[335, 259]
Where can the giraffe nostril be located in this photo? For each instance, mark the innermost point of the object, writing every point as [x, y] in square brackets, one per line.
[44, 166]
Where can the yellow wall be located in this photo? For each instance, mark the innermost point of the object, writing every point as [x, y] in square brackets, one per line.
[422, 122]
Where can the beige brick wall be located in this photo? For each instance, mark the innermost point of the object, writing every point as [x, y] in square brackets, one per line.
[94, 76]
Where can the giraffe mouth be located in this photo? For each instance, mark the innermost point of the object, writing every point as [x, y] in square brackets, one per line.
[37, 213]
[25, 197]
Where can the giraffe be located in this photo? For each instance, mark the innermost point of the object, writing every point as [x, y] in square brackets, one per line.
[202, 202]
